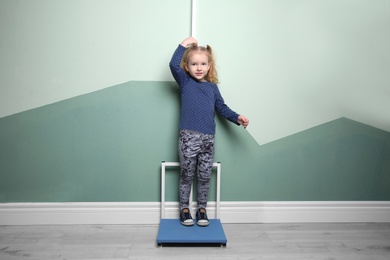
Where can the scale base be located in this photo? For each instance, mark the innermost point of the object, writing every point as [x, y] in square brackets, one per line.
[172, 233]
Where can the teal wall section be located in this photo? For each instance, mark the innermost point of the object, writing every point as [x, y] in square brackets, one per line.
[339, 160]
[107, 146]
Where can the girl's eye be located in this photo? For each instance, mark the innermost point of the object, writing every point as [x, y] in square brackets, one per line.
[195, 64]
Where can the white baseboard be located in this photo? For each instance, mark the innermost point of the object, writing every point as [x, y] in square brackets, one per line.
[230, 212]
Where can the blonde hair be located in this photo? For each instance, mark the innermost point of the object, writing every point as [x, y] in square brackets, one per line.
[212, 75]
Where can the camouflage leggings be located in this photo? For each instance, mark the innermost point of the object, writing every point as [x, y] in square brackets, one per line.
[196, 150]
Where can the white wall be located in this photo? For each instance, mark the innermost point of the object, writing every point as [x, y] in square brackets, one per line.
[54, 49]
[293, 64]
[287, 64]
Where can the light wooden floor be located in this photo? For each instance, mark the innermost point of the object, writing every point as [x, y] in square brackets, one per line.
[355, 241]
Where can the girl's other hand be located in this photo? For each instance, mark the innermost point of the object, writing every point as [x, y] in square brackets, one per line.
[189, 41]
[242, 120]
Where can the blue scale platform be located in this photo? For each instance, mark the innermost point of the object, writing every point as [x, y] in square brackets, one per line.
[172, 233]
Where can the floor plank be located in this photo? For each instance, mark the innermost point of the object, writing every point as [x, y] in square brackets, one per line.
[325, 241]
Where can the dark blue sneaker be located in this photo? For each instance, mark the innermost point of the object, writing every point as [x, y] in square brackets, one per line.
[186, 218]
[201, 218]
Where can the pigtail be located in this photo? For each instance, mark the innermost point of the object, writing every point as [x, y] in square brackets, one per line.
[212, 76]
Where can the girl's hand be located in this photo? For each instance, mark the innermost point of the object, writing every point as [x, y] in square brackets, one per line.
[189, 41]
[242, 120]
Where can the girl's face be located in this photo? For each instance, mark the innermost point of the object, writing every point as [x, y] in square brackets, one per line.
[198, 65]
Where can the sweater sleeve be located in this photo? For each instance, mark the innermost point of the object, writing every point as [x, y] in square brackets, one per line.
[177, 72]
[224, 110]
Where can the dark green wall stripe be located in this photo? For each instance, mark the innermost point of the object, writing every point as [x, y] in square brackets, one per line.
[108, 146]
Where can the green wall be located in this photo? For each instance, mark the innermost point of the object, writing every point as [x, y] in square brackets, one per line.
[288, 65]
[107, 146]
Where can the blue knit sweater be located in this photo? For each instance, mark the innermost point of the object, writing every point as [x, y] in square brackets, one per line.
[199, 100]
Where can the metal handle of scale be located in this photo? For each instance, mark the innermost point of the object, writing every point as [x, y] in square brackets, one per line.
[176, 164]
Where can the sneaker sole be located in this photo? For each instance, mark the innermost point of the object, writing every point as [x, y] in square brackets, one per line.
[187, 223]
[203, 224]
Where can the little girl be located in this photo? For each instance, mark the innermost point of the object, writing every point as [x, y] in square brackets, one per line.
[193, 68]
